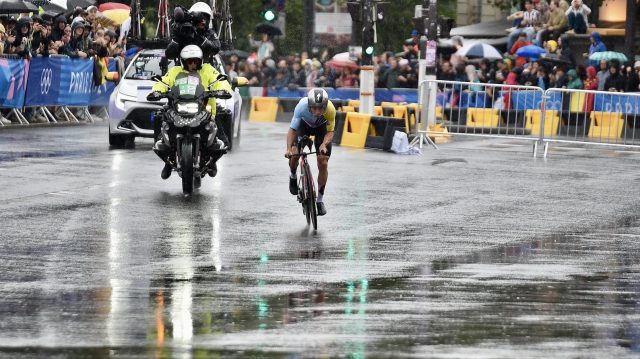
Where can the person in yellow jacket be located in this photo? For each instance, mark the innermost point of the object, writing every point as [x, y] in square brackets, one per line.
[191, 61]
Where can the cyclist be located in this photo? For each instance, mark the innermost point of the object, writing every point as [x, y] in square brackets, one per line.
[314, 116]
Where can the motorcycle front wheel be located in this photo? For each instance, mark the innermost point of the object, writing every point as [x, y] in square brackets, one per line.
[186, 162]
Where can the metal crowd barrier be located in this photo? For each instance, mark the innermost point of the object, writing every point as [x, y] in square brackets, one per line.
[529, 113]
[591, 117]
[42, 84]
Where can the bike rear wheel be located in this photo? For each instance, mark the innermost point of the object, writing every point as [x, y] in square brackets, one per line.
[311, 198]
[186, 162]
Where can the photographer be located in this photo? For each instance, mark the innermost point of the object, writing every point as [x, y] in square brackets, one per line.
[192, 27]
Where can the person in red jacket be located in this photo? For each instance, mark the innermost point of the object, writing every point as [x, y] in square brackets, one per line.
[521, 42]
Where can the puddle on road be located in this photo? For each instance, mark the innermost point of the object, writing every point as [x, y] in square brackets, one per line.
[12, 156]
[575, 295]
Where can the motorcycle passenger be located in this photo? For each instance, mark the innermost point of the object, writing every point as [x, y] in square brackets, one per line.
[191, 61]
[204, 37]
[315, 116]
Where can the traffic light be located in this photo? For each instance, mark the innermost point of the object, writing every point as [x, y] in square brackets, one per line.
[269, 13]
[368, 45]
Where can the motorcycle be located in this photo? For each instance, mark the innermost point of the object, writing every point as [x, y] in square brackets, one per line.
[188, 128]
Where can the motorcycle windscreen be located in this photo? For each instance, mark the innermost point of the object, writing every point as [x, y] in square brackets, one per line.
[188, 86]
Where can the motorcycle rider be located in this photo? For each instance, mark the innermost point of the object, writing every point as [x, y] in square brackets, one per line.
[191, 61]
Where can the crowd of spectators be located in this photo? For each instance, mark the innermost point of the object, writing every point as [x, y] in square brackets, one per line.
[79, 35]
[82, 34]
[265, 69]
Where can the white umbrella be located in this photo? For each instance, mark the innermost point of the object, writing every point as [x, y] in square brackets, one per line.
[479, 50]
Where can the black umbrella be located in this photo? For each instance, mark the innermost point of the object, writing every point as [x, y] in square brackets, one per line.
[241, 54]
[16, 6]
[71, 4]
[551, 60]
[269, 29]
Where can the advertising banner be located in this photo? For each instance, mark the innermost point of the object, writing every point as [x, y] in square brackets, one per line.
[13, 82]
[58, 80]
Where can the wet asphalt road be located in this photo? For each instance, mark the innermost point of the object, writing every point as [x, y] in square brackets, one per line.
[474, 251]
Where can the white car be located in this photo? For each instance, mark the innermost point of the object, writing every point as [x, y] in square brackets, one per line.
[131, 115]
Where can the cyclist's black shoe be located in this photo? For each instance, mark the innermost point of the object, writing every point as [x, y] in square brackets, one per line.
[293, 185]
[322, 210]
[213, 170]
[166, 171]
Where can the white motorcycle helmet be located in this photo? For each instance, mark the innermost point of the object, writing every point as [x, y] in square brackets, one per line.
[201, 8]
[191, 52]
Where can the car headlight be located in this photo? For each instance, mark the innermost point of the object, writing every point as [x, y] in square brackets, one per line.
[121, 99]
[187, 108]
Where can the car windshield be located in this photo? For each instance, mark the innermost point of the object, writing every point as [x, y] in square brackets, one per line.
[147, 65]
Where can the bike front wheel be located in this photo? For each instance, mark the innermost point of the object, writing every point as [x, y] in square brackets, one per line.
[312, 212]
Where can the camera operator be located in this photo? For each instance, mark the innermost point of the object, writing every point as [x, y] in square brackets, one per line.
[192, 27]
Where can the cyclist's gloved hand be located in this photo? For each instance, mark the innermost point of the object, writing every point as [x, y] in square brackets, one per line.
[154, 96]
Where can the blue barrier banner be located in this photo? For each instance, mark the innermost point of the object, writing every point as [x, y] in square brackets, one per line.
[525, 100]
[382, 95]
[474, 100]
[56, 81]
[617, 103]
[100, 94]
[13, 82]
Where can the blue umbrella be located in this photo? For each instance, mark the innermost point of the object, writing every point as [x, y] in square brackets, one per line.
[531, 51]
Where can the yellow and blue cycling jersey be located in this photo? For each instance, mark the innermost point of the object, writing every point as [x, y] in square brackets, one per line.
[302, 113]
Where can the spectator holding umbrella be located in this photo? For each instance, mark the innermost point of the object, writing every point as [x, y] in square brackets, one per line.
[265, 46]
[596, 46]
[522, 42]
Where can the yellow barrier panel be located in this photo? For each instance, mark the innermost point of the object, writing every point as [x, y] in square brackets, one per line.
[576, 103]
[388, 104]
[551, 122]
[442, 137]
[607, 125]
[354, 103]
[348, 109]
[482, 117]
[377, 111]
[356, 128]
[263, 109]
[400, 111]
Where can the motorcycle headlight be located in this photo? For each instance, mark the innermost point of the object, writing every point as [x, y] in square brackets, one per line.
[187, 108]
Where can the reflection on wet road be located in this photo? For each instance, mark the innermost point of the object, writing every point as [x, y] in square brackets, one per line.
[467, 254]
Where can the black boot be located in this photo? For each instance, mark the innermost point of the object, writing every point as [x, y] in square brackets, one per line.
[166, 171]
[213, 170]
